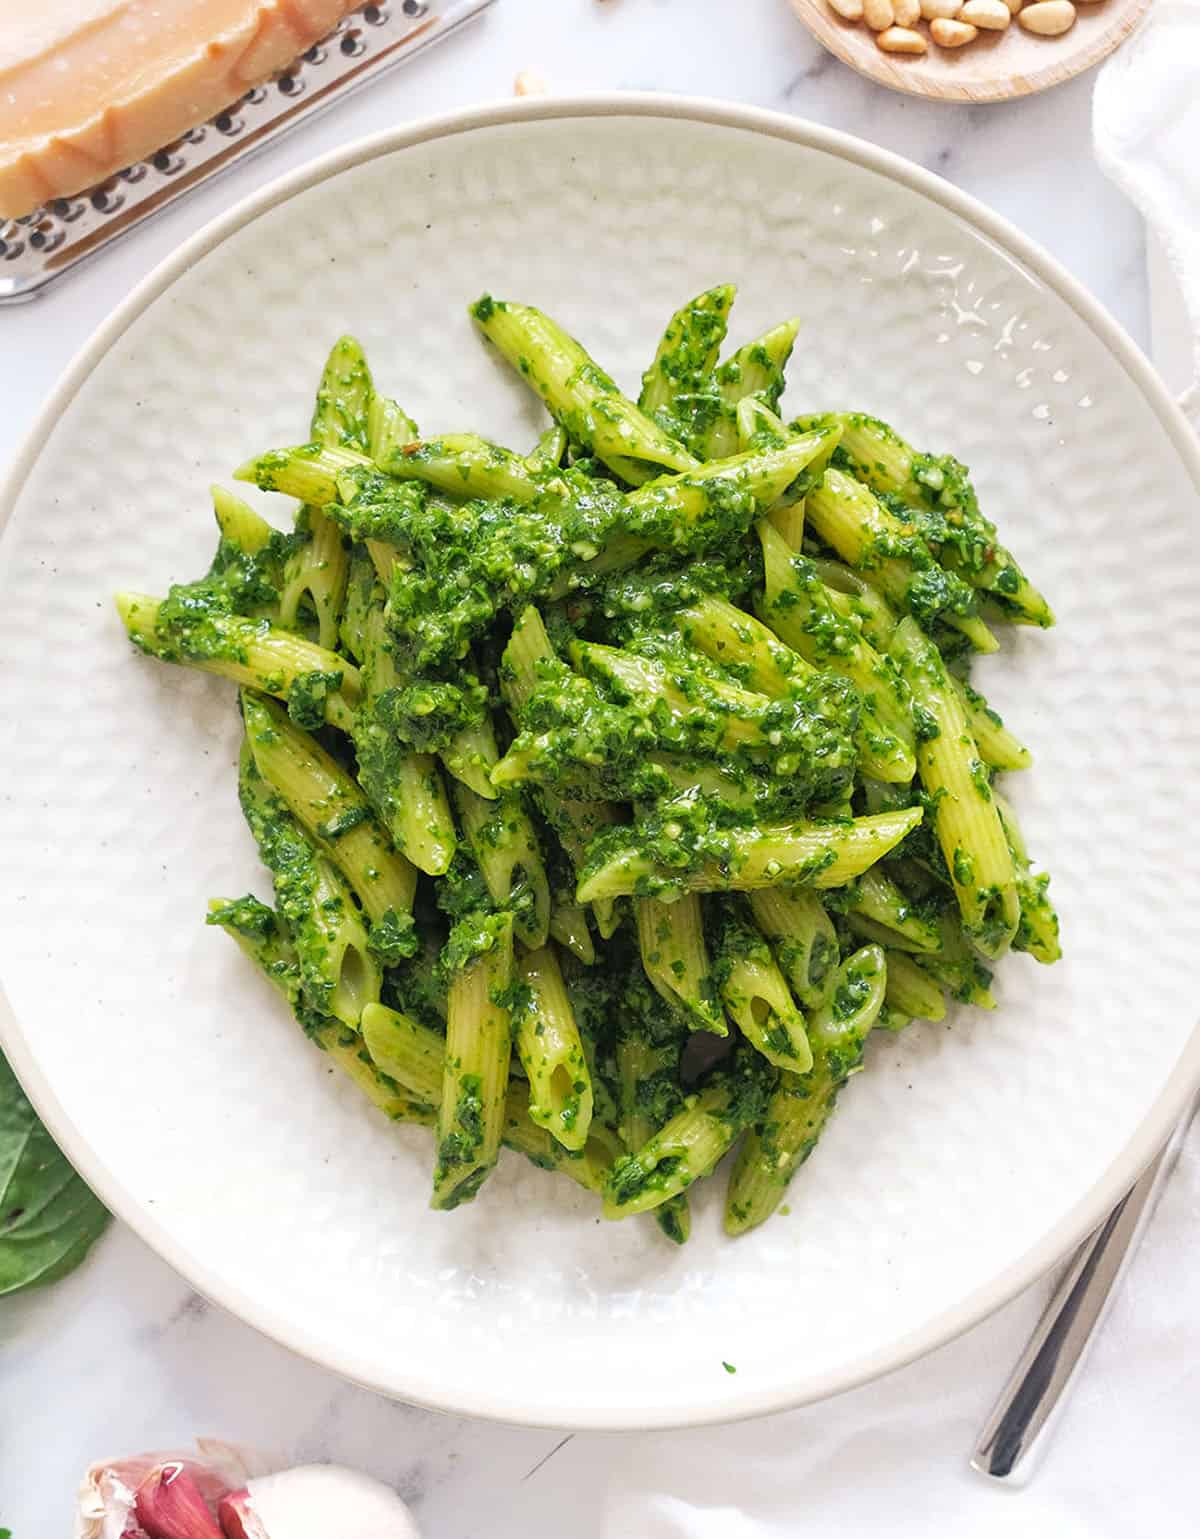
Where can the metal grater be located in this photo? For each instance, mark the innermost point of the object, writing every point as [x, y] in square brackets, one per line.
[39, 247]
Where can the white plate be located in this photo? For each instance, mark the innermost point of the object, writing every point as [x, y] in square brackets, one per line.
[969, 1156]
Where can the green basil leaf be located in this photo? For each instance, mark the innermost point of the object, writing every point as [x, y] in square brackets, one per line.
[48, 1217]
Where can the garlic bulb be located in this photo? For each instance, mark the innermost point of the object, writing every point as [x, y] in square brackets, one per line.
[314, 1501]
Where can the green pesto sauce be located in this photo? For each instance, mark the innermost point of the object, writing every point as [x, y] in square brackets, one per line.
[307, 696]
[393, 938]
[292, 860]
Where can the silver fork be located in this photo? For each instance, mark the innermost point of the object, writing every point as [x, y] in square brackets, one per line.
[1023, 1417]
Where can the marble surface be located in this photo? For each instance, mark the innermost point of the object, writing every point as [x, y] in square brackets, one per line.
[124, 1355]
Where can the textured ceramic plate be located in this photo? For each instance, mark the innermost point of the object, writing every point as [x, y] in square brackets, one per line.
[996, 67]
[969, 1156]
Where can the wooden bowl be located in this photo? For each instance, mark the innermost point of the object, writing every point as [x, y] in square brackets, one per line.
[996, 67]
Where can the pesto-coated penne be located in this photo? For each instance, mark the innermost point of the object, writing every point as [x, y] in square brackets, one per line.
[309, 472]
[587, 1167]
[328, 803]
[997, 745]
[910, 990]
[465, 465]
[693, 1142]
[338, 974]
[414, 1057]
[577, 392]
[405, 787]
[798, 1110]
[688, 350]
[361, 589]
[891, 556]
[239, 523]
[803, 939]
[744, 718]
[478, 1046]
[569, 927]
[957, 967]
[389, 427]
[262, 936]
[574, 821]
[855, 599]
[548, 1045]
[792, 855]
[470, 755]
[968, 825]
[671, 506]
[750, 650]
[755, 994]
[549, 450]
[317, 572]
[1037, 929]
[881, 458]
[252, 652]
[878, 898]
[675, 512]
[404, 1050]
[754, 371]
[675, 959]
[504, 844]
[797, 607]
[651, 1035]
[614, 788]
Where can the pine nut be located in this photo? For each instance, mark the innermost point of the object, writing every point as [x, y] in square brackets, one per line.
[1048, 18]
[878, 14]
[908, 12]
[529, 84]
[848, 10]
[993, 15]
[901, 40]
[948, 33]
[932, 9]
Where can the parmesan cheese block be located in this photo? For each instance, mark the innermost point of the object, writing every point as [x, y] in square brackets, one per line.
[89, 86]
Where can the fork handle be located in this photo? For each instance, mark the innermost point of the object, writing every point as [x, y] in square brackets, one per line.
[1024, 1413]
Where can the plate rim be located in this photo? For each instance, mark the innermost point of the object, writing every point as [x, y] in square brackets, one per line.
[502, 1402]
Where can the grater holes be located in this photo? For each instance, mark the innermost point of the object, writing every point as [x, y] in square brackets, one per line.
[352, 42]
[133, 173]
[314, 55]
[290, 85]
[167, 162]
[226, 123]
[414, 8]
[374, 15]
[12, 249]
[254, 97]
[194, 135]
[105, 199]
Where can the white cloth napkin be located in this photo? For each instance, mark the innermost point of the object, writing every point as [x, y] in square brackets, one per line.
[891, 1458]
[1146, 122]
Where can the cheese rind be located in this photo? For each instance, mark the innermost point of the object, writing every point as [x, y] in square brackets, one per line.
[90, 86]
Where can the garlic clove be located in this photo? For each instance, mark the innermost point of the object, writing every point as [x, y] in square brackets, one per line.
[238, 1518]
[109, 1486]
[169, 1505]
[320, 1501]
